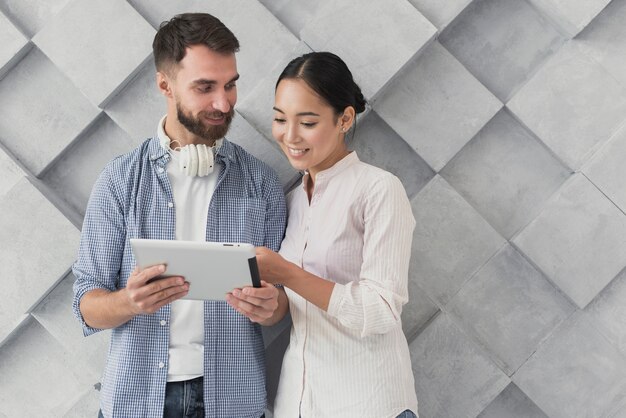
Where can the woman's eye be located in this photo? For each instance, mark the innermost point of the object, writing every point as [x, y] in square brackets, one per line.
[279, 120]
[308, 124]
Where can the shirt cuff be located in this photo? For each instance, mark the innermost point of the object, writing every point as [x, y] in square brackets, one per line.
[336, 300]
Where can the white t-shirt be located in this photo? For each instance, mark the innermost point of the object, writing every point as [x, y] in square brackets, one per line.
[192, 196]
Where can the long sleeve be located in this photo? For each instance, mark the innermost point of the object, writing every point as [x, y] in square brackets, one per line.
[373, 303]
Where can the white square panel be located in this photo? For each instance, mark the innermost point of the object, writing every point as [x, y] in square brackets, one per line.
[506, 174]
[42, 112]
[98, 44]
[572, 16]
[572, 104]
[353, 31]
[13, 46]
[578, 240]
[436, 105]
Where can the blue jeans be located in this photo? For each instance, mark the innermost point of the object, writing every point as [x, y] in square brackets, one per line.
[407, 414]
[183, 399]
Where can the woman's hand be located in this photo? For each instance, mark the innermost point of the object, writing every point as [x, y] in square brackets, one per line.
[272, 266]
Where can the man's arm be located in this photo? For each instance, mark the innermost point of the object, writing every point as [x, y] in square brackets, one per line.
[104, 309]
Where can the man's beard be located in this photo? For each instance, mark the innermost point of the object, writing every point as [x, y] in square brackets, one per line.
[196, 126]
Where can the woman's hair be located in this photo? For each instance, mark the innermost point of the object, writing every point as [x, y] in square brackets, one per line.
[187, 29]
[328, 76]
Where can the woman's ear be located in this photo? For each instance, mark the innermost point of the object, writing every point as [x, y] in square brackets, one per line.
[347, 118]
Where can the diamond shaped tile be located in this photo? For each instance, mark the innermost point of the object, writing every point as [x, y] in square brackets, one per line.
[42, 112]
[436, 105]
[453, 378]
[501, 42]
[440, 13]
[607, 170]
[357, 40]
[512, 403]
[589, 373]
[14, 44]
[572, 16]
[572, 104]
[506, 174]
[32, 15]
[138, 108]
[36, 256]
[10, 173]
[86, 406]
[510, 308]
[54, 313]
[451, 240]
[608, 312]
[74, 174]
[605, 39]
[378, 145]
[578, 240]
[248, 20]
[294, 13]
[40, 379]
[99, 45]
[418, 310]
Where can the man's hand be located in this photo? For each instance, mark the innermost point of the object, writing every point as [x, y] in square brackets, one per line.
[265, 305]
[104, 309]
[146, 296]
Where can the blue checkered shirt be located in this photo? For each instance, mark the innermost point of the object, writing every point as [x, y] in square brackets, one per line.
[133, 199]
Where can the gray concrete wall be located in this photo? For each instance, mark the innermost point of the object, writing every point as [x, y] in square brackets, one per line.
[504, 119]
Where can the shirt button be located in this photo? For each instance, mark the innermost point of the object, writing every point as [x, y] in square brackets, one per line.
[170, 205]
[161, 365]
[160, 169]
[163, 322]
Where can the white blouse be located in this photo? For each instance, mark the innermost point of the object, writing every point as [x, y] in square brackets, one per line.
[352, 361]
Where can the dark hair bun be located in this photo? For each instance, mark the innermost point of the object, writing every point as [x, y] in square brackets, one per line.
[359, 100]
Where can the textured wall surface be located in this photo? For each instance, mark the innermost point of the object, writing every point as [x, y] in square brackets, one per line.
[504, 119]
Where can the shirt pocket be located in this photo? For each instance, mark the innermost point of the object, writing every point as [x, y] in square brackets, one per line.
[249, 224]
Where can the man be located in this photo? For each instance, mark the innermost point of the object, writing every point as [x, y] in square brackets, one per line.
[173, 357]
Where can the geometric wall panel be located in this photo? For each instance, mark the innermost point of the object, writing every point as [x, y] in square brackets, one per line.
[36, 126]
[572, 104]
[578, 240]
[608, 312]
[450, 242]
[436, 105]
[512, 403]
[334, 28]
[510, 308]
[501, 42]
[36, 257]
[571, 16]
[586, 369]
[607, 169]
[14, 44]
[32, 15]
[506, 174]
[605, 39]
[448, 367]
[438, 12]
[98, 44]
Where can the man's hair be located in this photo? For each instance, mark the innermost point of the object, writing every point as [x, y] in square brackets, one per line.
[187, 29]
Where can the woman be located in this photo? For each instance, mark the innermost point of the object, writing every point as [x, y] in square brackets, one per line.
[344, 260]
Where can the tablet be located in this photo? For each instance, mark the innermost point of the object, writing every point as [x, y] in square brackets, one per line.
[211, 268]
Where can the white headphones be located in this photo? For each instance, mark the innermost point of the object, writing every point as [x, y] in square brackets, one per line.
[196, 160]
[193, 159]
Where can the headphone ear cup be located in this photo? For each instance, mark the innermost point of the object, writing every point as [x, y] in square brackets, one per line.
[193, 160]
[203, 160]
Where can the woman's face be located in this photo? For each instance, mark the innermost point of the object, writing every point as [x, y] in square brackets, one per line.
[306, 127]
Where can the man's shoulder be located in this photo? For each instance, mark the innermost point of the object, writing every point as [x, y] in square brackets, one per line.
[123, 163]
[246, 159]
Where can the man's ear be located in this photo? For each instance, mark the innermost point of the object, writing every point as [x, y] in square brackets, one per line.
[163, 83]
